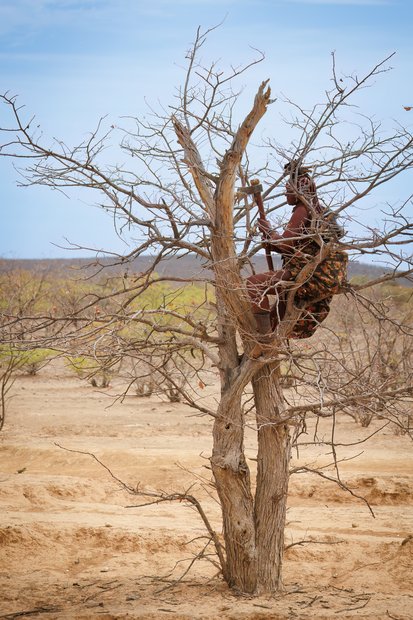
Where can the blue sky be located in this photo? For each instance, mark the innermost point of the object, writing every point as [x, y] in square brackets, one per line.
[73, 61]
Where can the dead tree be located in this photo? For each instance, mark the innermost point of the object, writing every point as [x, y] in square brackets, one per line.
[178, 194]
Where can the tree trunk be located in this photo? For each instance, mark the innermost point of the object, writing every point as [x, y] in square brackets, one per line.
[228, 461]
[229, 467]
[233, 484]
[274, 451]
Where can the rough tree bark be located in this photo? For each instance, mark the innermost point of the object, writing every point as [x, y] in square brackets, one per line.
[273, 460]
[253, 528]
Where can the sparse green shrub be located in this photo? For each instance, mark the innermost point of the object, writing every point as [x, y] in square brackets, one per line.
[28, 361]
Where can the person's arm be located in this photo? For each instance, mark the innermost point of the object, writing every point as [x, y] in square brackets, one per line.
[285, 243]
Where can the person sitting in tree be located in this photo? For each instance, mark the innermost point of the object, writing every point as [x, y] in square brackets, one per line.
[304, 239]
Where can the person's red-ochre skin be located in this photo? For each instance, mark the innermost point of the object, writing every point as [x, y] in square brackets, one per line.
[260, 285]
[284, 243]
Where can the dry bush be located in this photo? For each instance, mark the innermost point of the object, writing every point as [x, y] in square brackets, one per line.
[362, 358]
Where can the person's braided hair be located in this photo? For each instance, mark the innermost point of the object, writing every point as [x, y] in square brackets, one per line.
[301, 182]
[293, 168]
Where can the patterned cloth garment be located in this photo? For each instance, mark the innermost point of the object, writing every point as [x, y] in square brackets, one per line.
[330, 275]
[316, 293]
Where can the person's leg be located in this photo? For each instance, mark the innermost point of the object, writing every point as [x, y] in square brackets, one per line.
[259, 286]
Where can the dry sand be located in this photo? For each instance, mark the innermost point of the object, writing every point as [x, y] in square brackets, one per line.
[70, 547]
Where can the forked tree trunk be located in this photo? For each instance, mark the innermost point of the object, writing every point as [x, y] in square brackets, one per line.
[243, 523]
[253, 529]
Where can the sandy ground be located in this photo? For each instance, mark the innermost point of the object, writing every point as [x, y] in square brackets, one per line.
[71, 548]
